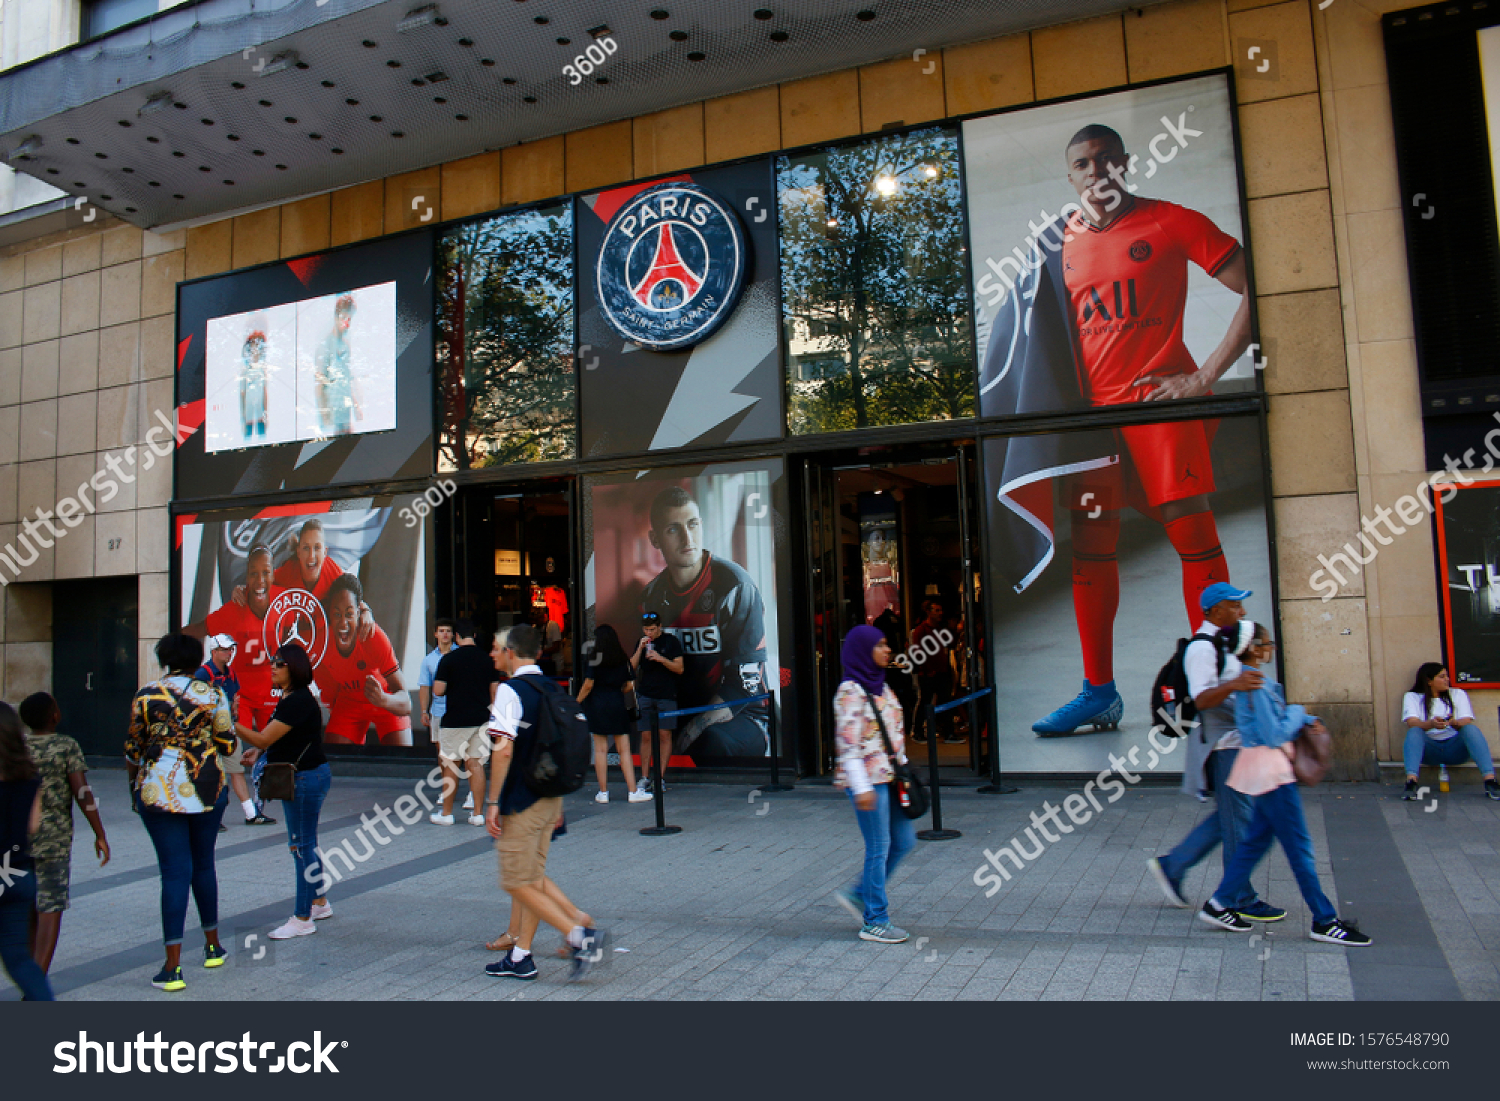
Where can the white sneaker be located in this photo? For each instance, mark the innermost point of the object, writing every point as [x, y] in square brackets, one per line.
[440, 819]
[294, 927]
[603, 797]
[476, 819]
[469, 801]
[322, 910]
[640, 797]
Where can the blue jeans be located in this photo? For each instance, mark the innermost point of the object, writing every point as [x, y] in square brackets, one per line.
[1277, 813]
[185, 855]
[1468, 744]
[302, 834]
[16, 902]
[1226, 825]
[889, 835]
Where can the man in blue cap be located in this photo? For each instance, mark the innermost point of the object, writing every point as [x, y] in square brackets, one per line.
[1214, 674]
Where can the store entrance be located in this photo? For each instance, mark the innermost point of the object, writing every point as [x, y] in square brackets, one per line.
[514, 563]
[893, 542]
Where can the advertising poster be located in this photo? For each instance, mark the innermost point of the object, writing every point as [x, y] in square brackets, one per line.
[308, 372]
[879, 555]
[347, 579]
[687, 267]
[1468, 527]
[1108, 251]
[1095, 571]
[706, 549]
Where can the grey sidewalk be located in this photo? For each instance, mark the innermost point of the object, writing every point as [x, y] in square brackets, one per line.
[737, 906]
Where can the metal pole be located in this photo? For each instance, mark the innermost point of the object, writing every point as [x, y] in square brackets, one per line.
[658, 788]
[996, 786]
[775, 740]
[937, 833]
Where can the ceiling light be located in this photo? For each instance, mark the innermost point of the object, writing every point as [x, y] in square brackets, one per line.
[26, 150]
[833, 223]
[158, 102]
[436, 78]
[931, 170]
[601, 31]
[280, 63]
[425, 16]
[886, 185]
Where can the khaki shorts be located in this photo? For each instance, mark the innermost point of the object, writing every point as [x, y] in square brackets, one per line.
[464, 743]
[52, 885]
[524, 841]
[231, 764]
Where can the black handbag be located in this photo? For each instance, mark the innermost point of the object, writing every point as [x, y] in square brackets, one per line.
[279, 780]
[911, 795]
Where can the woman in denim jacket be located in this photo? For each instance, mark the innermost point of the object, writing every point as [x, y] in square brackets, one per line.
[1263, 771]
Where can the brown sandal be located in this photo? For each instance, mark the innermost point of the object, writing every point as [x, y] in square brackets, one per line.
[496, 945]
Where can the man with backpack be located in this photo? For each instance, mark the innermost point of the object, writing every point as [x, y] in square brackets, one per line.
[535, 761]
[1212, 674]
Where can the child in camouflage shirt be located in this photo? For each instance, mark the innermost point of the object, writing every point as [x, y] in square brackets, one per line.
[64, 778]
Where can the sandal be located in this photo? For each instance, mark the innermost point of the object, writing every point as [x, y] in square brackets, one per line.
[503, 943]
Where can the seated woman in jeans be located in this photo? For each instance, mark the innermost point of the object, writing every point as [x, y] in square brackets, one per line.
[180, 727]
[864, 770]
[1441, 729]
[294, 736]
[20, 817]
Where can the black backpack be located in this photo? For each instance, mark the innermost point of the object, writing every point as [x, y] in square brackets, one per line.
[555, 759]
[1170, 692]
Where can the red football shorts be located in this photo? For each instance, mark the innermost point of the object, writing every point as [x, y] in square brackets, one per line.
[257, 715]
[349, 721]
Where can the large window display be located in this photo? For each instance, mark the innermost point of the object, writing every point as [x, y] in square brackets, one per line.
[706, 549]
[875, 294]
[1108, 251]
[1100, 542]
[347, 579]
[505, 340]
[308, 372]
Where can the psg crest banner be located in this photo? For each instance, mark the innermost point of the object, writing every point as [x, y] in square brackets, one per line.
[678, 312]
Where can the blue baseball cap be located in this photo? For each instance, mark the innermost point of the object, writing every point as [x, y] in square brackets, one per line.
[1220, 591]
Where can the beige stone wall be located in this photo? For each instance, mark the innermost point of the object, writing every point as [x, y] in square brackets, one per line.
[87, 353]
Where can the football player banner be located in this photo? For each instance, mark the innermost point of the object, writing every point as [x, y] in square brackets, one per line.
[345, 579]
[1111, 269]
[705, 548]
[1468, 540]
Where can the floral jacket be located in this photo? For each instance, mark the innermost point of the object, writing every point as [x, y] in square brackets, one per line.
[862, 758]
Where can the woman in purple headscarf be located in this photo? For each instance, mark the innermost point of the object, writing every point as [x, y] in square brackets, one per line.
[863, 705]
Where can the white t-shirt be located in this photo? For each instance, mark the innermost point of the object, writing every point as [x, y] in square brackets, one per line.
[1201, 664]
[1411, 708]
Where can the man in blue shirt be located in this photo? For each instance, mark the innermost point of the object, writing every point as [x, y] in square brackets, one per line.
[216, 671]
[522, 822]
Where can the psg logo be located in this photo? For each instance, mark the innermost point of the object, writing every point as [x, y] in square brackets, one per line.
[1140, 251]
[671, 267]
[296, 616]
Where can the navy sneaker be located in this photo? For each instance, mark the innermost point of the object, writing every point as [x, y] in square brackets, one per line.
[214, 955]
[1342, 932]
[1409, 795]
[1223, 919]
[1098, 705]
[588, 953]
[1170, 887]
[169, 978]
[509, 969]
[1261, 910]
[1491, 790]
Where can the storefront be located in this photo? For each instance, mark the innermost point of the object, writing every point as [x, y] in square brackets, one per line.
[894, 380]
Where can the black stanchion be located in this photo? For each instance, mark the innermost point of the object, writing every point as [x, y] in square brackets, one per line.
[937, 833]
[775, 740]
[658, 791]
[996, 786]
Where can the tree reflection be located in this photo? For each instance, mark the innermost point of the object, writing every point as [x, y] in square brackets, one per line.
[505, 340]
[874, 284]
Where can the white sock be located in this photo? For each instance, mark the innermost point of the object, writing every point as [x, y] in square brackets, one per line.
[248, 806]
[517, 954]
[1214, 903]
[575, 938]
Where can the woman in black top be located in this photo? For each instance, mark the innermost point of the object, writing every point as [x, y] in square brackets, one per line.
[294, 736]
[603, 700]
[20, 817]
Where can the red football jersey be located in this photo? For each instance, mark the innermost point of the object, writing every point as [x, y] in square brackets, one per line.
[339, 676]
[289, 575]
[252, 663]
[1128, 286]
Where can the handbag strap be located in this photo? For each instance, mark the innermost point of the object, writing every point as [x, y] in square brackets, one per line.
[890, 750]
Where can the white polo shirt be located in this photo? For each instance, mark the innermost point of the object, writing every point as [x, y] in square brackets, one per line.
[1201, 664]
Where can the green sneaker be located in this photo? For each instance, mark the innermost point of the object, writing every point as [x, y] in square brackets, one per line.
[169, 978]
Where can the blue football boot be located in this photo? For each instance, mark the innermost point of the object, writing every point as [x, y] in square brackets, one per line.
[1099, 706]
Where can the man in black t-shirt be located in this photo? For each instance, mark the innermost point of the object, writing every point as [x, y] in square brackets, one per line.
[657, 665]
[467, 680]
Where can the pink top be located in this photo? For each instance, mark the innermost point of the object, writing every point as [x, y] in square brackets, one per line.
[863, 761]
[1262, 768]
